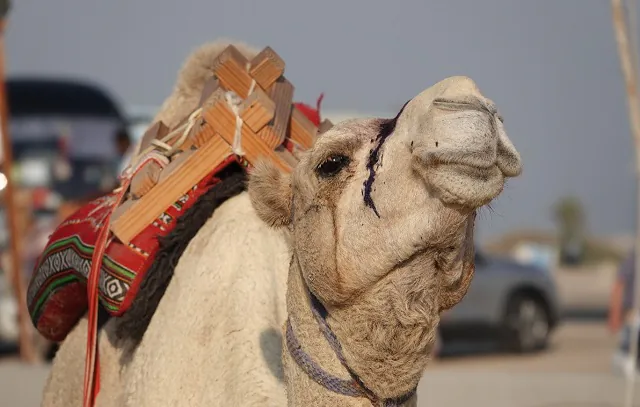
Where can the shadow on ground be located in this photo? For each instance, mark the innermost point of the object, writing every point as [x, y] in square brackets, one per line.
[471, 348]
[585, 314]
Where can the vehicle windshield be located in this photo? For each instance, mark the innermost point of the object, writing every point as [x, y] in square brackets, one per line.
[71, 155]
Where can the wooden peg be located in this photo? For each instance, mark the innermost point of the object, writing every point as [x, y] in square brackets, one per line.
[212, 98]
[324, 126]
[230, 67]
[281, 92]
[302, 130]
[266, 67]
[258, 110]
[145, 179]
[201, 132]
[211, 85]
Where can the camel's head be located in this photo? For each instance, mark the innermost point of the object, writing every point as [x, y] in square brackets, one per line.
[375, 198]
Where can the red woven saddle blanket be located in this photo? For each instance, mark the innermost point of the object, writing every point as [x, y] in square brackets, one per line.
[57, 293]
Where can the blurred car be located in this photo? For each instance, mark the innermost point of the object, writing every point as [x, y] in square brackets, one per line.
[516, 304]
[63, 136]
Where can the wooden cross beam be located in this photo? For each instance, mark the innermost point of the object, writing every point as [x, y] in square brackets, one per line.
[270, 128]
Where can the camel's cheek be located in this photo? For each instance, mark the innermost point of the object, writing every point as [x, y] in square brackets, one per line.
[315, 237]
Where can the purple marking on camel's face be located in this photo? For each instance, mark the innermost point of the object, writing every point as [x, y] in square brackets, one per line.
[387, 126]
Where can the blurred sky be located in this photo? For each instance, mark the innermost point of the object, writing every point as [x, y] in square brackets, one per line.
[550, 65]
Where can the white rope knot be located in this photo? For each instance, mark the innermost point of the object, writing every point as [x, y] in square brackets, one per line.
[171, 149]
[234, 101]
[162, 144]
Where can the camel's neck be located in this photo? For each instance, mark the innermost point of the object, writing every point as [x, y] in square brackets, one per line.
[389, 360]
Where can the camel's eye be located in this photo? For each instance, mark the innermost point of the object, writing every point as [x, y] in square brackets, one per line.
[332, 165]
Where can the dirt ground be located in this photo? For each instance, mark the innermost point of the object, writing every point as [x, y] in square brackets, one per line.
[574, 372]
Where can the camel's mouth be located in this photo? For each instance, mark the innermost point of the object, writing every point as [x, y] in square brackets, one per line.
[471, 184]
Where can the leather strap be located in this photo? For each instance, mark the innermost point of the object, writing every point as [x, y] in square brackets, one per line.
[91, 367]
[354, 387]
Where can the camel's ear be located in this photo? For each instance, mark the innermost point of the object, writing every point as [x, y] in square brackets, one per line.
[270, 193]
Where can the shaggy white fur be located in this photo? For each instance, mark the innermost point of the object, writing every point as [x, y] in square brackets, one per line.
[215, 337]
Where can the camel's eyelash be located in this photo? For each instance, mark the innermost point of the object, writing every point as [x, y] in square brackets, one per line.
[330, 154]
[345, 147]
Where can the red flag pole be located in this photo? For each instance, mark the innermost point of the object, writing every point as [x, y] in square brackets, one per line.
[27, 352]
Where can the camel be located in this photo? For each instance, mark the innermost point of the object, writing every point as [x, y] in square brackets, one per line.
[374, 234]
[380, 214]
